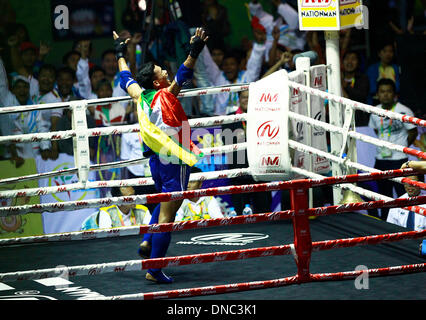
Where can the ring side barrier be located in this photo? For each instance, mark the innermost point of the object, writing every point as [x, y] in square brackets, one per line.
[166, 197]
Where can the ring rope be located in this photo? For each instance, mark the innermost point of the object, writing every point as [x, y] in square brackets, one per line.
[204, 176]
[119, 164]
[136, 265]
[255, 285]
[115, 130]
[357, 105]
[171, 196]
[194, 224]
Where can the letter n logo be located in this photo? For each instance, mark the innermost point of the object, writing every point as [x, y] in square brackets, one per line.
[267, 97]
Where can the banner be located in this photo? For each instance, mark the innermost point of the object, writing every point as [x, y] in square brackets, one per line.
[82, 19]
[21, 225]
[66, 221]
[267, 128]
[330, 14]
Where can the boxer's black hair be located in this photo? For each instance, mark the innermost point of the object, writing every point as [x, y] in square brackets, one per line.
[145, 76]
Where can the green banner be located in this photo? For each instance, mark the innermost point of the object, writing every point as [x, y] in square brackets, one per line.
[19, 225]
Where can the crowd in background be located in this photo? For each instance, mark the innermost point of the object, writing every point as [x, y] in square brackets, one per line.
[387, 50]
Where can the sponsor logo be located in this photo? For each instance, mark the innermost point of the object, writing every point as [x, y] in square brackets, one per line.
[316, 3]
[270, 161]
[227, 239]
[267, 97]
[268, 130]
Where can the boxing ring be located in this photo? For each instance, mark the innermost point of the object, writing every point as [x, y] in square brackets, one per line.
[303, 236]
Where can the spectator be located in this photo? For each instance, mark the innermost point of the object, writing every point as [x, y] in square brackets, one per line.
[109, 64]
[384, 69]
[207, 71]
[236, 133]
[24, 57]
[198, 208]
[125, 215]
[107, 115]
[393, 131]
[65, 82]
[71, 59]
[26, 121]
[409, 219]
[49, 118]
[355, 85]
[83, 86]
[215, 21]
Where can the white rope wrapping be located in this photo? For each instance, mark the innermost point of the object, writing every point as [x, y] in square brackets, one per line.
[357, 105]
[203, 176]
[119, 164]
[115, 130]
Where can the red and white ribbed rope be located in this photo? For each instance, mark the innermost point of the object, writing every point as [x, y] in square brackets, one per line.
[137, 265]
[203, 176]
[358, 105]
[196, 224]
[166, 197]
[255, 285]
[115, 130]
[119, 164]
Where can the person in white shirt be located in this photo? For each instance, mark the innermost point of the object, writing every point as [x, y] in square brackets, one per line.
[407, 219]
[394, 131]
[207, 73]
[22, 123]
[198, 208]
[48, 118]
[118, 216]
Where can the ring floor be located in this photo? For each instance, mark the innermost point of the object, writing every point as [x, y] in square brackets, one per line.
[399, 287]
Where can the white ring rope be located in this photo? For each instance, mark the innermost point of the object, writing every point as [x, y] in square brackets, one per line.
[118, 164]
[203, 176]
[358, 105]
[115, 130]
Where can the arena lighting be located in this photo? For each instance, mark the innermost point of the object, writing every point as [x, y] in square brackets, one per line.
[142, 5]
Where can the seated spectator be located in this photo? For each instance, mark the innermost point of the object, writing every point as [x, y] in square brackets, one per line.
[198, 208]
[409, 219]
[355, 85]
[118, 215]
[403, 134]
[384, 69]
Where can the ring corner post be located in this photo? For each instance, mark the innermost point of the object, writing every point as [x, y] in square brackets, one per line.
[302, 233]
